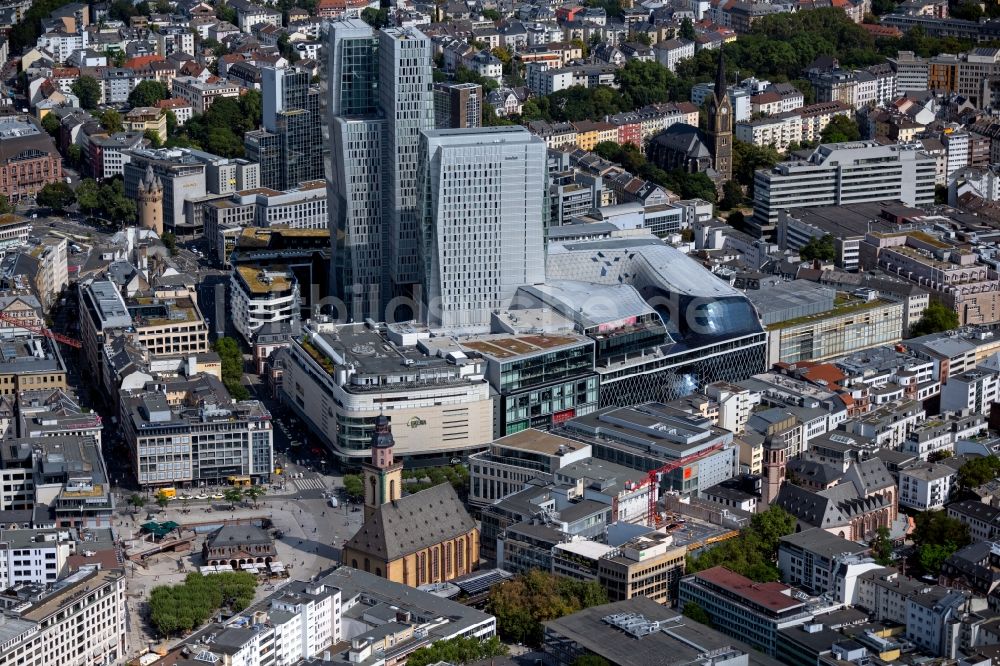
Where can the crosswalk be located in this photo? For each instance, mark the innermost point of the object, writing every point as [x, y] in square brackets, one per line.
[309, 484]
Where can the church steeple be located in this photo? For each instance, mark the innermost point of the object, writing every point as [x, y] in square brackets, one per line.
[383, 475]
[720, 126]
[720, 76]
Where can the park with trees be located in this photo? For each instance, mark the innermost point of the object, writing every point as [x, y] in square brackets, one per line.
[174, 609]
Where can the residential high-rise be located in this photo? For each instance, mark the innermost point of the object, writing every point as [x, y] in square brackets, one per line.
[482, 221]
[406, 101]
[355, 182]
[289, 148]
[458, 105]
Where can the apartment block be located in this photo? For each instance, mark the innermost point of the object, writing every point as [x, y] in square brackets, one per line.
[259, 296]
[926, 487]
[200, 94]
[951, 273]
[810, 559]
[458, 105]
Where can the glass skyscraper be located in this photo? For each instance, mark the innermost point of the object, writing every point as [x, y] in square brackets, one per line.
[356, 135]
[289, 148]
[379, 100]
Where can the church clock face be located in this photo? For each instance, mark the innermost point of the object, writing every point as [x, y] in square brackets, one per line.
[723, 110]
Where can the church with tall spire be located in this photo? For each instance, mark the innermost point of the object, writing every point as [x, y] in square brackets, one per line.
[695, 150]
[720, 126]
[426, 537]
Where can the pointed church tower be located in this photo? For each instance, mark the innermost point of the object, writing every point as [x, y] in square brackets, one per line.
[720, 125]
[383, 475]
[150, 202]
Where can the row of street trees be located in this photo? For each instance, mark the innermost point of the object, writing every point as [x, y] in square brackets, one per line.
[233, 495]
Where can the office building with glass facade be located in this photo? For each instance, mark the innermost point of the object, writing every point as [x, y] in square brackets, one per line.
[406, 102]
[540, 380]
[290, 146]
[662, 324]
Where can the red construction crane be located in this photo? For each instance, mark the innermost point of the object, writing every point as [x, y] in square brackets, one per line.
[40, 330]
[653, 478]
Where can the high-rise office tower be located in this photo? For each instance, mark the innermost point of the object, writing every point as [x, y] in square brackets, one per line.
[379, 100]
[406, 101]
[289, 148]
[482, 225]
[458, 105]
[356, 133]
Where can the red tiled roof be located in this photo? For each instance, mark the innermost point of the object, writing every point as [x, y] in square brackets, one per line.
[768, 595]
[173, 103]
[143, 61]
[765, 98]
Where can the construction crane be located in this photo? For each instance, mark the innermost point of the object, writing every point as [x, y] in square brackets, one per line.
[40, 330]
[653, 478]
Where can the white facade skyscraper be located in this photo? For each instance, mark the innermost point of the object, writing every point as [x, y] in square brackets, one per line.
[482, 226]
[406, 100]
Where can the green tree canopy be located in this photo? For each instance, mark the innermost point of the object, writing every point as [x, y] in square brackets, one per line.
[221, 128]
[148, 93]
[57, 196]
[821, 248]
[937, 536]
[50, 123]
[643, 83]
[180, 608]
[732, 195]
[697, 613]
[233, 496]
[978, 471]
[111, 121]
[522, 604]
[457, 651]
[882, 547]
[839, 130]
[754, 552]
[113, 202]
[376, 18]
[687, 30]
[354, 487]
[748, 158]
[255, 492]
[936, 318]
[232, 367]
[88, 91]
